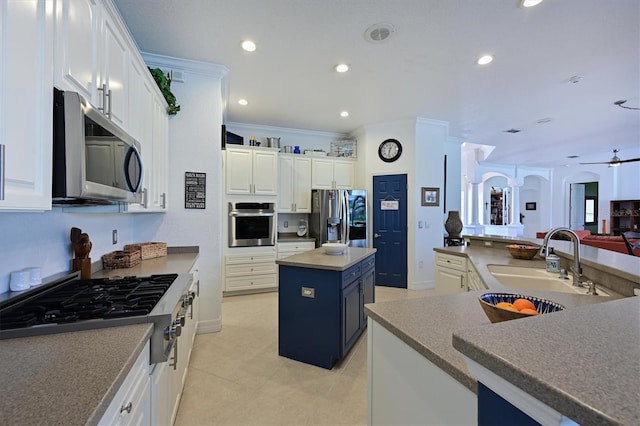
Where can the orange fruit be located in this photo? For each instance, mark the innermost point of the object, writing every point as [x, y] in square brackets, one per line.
[528, 311]
[521, 304]
[506, 305]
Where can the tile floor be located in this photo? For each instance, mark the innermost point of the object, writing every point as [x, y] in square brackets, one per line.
[236, 376]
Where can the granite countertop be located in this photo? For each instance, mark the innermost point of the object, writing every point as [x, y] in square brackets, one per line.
[71, 378]
[66, 378]
[318, 259]
[583, 362]
[428, 324]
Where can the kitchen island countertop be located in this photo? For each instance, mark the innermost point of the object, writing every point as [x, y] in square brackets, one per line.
[428, 325]
[318, 259]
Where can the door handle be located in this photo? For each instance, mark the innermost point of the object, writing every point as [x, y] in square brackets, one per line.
[377, 235]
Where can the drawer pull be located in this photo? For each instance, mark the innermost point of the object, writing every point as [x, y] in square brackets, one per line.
[126, 408]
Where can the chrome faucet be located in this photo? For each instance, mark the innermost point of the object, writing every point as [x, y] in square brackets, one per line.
[576, 268]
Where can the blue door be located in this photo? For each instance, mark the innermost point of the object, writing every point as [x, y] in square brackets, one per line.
[390, 229]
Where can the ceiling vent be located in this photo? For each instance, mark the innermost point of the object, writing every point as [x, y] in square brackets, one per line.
[513, 131]
[379, 33]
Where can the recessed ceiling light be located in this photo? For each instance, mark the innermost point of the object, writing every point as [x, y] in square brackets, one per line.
[484, 60]
[576, 79]
[248, 46]
[342, 68]
[544, 120]
[530, 3]
[344, 114]
[243, 102]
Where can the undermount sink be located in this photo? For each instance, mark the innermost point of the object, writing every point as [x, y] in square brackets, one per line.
[536, 279]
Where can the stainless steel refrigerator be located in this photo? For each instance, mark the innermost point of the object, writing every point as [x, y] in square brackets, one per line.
[339, 215]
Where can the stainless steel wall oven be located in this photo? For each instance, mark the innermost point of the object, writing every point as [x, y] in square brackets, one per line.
[251, 224]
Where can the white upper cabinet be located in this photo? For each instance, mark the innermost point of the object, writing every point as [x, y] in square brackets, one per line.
[113, 82]
[294, 194]
[251, 171]
[160, 162]
[76, 59]
[93, 56]
[328, 173]
[26, 104]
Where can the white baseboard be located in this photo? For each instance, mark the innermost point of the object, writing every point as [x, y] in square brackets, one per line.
[209, 326]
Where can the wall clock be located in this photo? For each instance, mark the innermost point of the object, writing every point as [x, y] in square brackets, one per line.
[389, 150]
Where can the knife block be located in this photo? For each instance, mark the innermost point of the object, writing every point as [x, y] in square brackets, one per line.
[84, 266]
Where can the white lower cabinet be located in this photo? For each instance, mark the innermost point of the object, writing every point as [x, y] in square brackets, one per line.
[406, 388]
[251, 269]
[132, 403]
[473, 278]
[160, 391]
[451, 274]
[290, 248]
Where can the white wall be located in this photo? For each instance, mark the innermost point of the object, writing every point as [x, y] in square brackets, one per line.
[195, 146]
[43, 239]
[422, 160]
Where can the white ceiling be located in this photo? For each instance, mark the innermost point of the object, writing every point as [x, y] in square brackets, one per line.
[426, 70]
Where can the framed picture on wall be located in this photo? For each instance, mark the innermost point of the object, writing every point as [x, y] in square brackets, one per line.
[530, 206]
[430, 196]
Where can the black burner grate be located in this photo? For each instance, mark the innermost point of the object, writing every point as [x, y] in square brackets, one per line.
[89, 299]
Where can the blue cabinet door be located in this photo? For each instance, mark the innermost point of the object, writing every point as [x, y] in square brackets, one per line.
[351, 315]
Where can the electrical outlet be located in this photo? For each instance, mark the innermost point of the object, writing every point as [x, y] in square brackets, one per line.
[286, 224]
[114, 236]
[419, 224]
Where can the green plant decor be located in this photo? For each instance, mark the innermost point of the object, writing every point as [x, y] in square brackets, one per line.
[164, 84]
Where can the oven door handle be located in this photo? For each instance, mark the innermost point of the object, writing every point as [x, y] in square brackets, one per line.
[237, 214]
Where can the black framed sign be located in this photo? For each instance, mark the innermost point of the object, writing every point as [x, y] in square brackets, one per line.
[195, 189]
[530, 206]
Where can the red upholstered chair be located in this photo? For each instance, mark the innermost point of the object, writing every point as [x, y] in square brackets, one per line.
[632, 241]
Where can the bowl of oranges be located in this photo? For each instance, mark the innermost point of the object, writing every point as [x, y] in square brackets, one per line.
[507, 306]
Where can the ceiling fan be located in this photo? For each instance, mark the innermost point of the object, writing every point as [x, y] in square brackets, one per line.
[615, 160]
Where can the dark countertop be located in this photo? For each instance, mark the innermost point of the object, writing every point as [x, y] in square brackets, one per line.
[428, 325]
[318, 259]
[71, 378]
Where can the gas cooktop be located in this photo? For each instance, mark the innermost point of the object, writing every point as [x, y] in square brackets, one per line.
[88, 299]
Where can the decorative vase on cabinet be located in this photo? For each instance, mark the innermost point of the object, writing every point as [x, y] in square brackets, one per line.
[453, 224]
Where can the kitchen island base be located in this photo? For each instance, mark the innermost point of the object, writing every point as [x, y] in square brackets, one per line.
[321, 311]
[406, 388]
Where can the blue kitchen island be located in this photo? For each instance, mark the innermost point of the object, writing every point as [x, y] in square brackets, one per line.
[321, 300]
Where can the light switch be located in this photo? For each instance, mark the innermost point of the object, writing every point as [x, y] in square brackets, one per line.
[419, 224]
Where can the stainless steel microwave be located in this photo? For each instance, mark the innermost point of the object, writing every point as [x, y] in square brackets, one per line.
[94, 161]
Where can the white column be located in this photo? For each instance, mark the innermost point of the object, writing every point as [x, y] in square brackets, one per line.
[474, 203]
[515, 205]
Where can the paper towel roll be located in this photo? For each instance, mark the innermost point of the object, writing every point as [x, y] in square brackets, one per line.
[35, 276]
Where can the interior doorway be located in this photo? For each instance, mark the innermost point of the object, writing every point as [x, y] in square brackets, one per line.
[583, 206]
[390, 229]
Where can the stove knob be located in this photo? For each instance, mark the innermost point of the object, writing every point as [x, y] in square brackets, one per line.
[179, 321]
[172, 332]
[186, 301]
